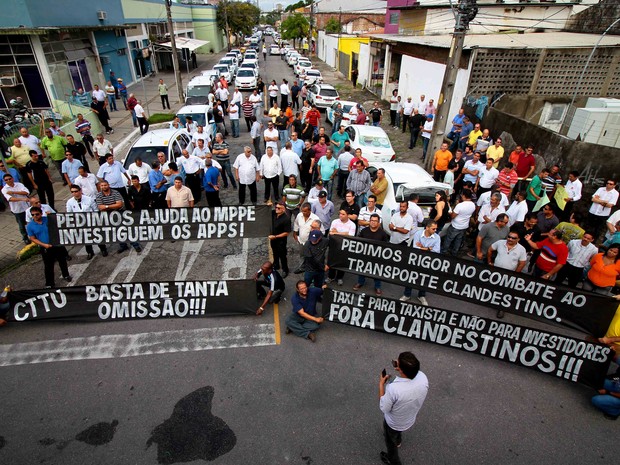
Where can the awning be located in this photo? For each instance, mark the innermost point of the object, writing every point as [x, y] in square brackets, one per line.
[184, 42]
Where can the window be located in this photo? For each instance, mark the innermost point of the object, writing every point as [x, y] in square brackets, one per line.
[557, 111]
[393, 18]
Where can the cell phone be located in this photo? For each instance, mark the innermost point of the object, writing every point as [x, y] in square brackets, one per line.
[383, 373]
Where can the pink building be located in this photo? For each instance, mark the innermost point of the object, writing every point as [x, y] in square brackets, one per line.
[392, 15]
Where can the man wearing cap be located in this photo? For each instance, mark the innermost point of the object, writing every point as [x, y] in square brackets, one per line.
[427, 129]
[313, 254]
[407, 111]
[268, 278]
[304, 321]
[122, 91]
[324, 209]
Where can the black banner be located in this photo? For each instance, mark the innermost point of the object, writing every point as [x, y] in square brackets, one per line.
[556, 355]
[128, 301]
[479, 284]
[160, 225]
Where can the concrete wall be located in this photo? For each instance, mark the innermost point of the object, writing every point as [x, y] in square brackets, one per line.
[364, 66]
[41, 13]
[327, 45]
[596, 163]
[205, 28]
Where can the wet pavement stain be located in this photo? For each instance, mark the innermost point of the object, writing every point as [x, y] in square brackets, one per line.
[98, 434]
[192, 432]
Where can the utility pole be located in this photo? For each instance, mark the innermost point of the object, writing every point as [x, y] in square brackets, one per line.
[225, 5]
[310, 28]
[339, 32]
[466, 11]
[175, 57]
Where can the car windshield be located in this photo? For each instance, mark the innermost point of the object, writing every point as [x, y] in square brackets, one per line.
[329, 93]
[368, 140]
[427, 194]
[198, 91]
[148, 154]
[221, 68]
[198, 118]
[245, 72]
[305, 64]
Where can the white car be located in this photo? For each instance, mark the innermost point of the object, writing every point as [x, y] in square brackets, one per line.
[170, 141]
[347, 118]
[199, 87]
[301, 65]
[403, 180]
[274, 50]
[252, 66]
[322, 95]
[238, 52]
[311, 76]
[202, 115]
[224, 70]
[374, 142]
[250, 55]
[231, 62]
[292, 58]
[246, 78]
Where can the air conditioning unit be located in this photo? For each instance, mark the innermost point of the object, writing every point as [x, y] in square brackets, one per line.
[8, 81]
[102, 15]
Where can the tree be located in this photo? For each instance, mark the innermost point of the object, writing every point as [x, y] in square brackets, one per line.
[295, 27]
[237, 18]
[333, 26]
[299, 4]
[271, 18]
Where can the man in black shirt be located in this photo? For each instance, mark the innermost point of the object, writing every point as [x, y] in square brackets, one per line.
[375, 114]
[321, 133]
[298, 125]
[78, 150]
[295, 89]
[416, 123]
[139, 196]
[281, 228]
[374, 232]
[40, 178]
[307, 155]
[270, 279]
[349, 205]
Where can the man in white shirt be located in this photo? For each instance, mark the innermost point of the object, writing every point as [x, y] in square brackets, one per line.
[303, 223]
[247, 174]
[415, 211]
[455, 232]
[142, 170]
[408, 107]
[290, 161]
[518, 209]
[101, 148]
[271, 137]
[45, 208]
[363, 219]
[193, 168]
[233, 113]
[237, 97]
[16, 194]
[573, 189]
[487, 177]
[488, 212]
[143, 122]
[30, 141]
[270, 169]
[83, 203]
[201, 134]
[201, 150]
[427, 130]
[341, 226]
[485, 198]
[400, 401]
[100, 94]
[87, 182]
[401, 225]
[422, 105]
[284, 93]
[580, 252]
[603, 200]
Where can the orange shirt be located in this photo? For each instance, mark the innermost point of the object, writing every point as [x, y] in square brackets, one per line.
[514, 157]
[602, 275]
[442, 159]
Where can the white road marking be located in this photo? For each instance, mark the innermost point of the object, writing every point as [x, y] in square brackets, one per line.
[188, 256]
[133, 345]
[236, 262]
[129, 264]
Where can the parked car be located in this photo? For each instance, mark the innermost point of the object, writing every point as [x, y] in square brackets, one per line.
[322, 95]
[374, 142]
[246, 78]
[231, 62]
[347, 118]
[252, 66]
[274, 50]
[238, 52]
[302, 63]
[198, 88]
[403, 180]
[200, 114]
[170, 141]
[224, 70]
[292, 59]
[311, 76]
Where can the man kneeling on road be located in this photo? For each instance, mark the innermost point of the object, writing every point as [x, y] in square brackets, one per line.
[303, 321]
[270, 279]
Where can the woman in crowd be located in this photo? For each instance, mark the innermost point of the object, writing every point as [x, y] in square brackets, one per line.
[604, 271]
[440, 211]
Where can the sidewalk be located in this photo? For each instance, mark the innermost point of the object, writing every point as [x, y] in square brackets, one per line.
[124, 135]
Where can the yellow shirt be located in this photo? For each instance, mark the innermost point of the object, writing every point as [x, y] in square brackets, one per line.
[274, 113]
[614, 329]
[496, 153]
[473, 136]
[380, 186]
[20, 154]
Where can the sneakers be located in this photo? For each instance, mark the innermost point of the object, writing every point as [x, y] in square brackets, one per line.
[312, 337]
[423, 300]
[138, 249]
[328, 280]
[405, 299]
[104, 253]
[67, 278]
[500, 314]
[357, 287]
[287, 330]
[340, 282]
[378, 292]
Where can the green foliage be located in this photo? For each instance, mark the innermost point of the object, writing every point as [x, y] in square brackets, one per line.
[333, 26]
[161, 117]
[271, 18]
[299, 4]
[241, 17]
[295, 27]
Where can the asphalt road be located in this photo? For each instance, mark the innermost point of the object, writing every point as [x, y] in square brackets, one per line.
[227, 396]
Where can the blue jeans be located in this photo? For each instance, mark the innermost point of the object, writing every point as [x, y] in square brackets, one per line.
[300, 326]
[283, 134]
[124, 99]
[452, 241]
[316, 278]
[235, 127]
[425, 142]
[606, 402]
[360, 200]
[454, 137]
[112, 102]
[226, 169]
[134, 118]
[328, 185]
[361, 280]
[376, 123]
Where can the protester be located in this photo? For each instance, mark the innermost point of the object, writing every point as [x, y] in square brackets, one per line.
[280, 230]
[553, 254]
[424, 239]
[604, 271]
[400, 401]
[304, 321]
[373, 232]
[580, 252]
[269, 286]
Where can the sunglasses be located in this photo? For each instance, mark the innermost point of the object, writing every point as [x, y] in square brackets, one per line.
[513, 237]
